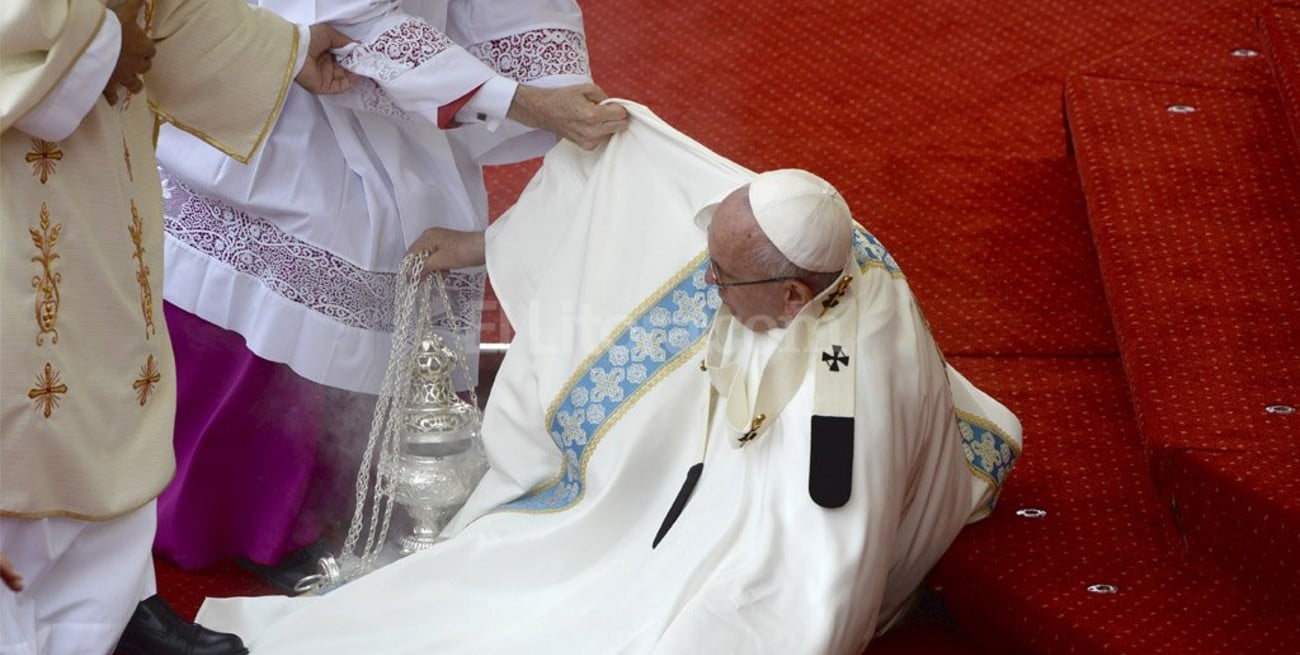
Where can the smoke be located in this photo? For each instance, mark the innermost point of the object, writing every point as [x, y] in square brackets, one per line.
[345, 421]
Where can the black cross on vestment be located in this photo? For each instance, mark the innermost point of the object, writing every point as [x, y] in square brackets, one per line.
[835, 358]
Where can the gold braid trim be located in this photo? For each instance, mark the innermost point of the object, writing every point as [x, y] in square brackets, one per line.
[60, 513]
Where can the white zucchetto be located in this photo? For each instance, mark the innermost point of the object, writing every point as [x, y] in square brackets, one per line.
[802, 215]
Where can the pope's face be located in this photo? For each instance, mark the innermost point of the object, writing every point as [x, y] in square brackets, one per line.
[733, 236]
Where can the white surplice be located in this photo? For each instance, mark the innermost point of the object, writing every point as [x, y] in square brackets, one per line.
[297, 250]
[601, 407]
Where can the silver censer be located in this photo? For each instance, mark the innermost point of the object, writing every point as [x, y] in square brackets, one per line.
[440, 458]
[437, 459]
[424, 451]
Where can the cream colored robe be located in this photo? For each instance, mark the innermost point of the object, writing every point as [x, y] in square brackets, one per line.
[87, 382]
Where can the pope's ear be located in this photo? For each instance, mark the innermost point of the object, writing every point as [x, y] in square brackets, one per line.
[797, 294]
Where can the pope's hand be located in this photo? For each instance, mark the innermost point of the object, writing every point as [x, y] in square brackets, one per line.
[321, 73]
[135, 56]
[448, 249]
[571, 112]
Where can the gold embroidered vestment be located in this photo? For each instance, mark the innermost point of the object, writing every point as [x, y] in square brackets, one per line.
[87, 380]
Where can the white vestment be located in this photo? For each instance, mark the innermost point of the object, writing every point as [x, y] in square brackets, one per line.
[600, 408]
[59, 558]
[297, 250]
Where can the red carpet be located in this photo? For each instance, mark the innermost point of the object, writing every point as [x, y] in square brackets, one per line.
[943, 124]
[1194, 282]
[1280, 26]
[1020, 584]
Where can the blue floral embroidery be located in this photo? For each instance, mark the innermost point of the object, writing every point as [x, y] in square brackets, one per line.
[690, 309]
[606, 384]
[676, 321]
[648, 344]
[570, 424]
[868, 251]
[989, 454]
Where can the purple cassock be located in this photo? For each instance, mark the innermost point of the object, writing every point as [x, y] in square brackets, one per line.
[265, 459]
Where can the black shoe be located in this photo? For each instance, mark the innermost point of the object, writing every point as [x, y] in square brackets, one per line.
[295, 566]
[155, 629]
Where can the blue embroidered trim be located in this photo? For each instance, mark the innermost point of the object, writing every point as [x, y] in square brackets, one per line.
[868, 251]
[676, 321]
[989, 453]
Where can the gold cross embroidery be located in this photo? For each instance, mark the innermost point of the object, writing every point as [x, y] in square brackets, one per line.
[47, 390]
[753, 429]
[833, 298]
[149, 378]
[43, 157]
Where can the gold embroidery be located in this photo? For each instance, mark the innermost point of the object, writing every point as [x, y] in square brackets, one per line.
[126, 155]
[43, 158]
[148, 17]
[47, 390]
[833, 298]
[753, 429]
[142, 274]
[148, 380]
[47, 283]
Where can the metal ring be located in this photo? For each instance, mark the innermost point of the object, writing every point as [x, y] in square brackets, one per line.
[308, 583]
[1280, 409]
[1181, 109]
[1031, 513]
[1103, 589]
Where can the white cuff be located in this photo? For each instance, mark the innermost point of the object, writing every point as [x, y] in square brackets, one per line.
[489, 104]
[304, 42]
[61, 112]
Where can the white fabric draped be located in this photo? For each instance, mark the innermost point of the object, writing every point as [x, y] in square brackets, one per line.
[298, 249]
[598, 411]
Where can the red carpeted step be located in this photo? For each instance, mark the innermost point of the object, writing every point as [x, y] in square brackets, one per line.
[1220, 48]
[1243, 507]
[1279, 25]
[1021, 584]
[1194, 199]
